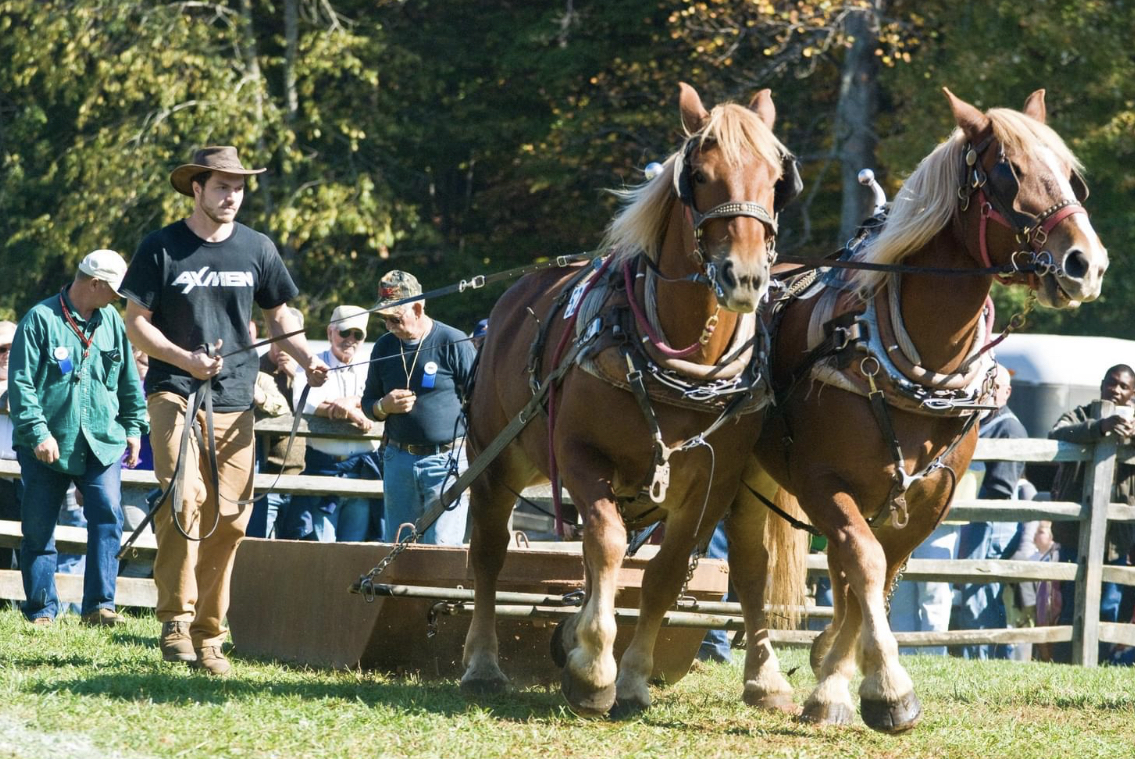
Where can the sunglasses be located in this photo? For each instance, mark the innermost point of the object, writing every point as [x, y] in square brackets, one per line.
[357, 334]
[5, 348]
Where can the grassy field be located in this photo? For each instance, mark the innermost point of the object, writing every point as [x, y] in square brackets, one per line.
[69, 691]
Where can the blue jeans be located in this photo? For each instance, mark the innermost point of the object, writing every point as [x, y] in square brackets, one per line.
[411, 486]
[983, 606]
[44, 489]
[330, 519]
[265, 512]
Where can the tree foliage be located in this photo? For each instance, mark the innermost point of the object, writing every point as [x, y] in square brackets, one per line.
[458, 137]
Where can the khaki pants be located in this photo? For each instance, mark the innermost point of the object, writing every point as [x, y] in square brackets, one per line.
[192, 576]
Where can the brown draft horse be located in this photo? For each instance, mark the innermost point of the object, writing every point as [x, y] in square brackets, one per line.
[701, 277]
[1003, 189]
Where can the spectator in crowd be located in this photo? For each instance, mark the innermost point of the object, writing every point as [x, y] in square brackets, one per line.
[9, 489]
[337, 518]
[280, 368]
[982, 604]
[1080, 425]
[415, 382]
[480, 332]
[1048, 598]
[76, 405]
[192, 284]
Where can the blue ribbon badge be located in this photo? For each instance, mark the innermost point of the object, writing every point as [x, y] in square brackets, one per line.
[429, 375]
[63, 356]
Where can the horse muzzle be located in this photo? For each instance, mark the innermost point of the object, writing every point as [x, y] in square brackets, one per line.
[1078, 278]
[741, 286]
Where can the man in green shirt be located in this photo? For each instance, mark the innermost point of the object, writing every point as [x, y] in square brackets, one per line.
[76, 405]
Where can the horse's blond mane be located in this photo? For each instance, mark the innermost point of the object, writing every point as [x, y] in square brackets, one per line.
[928, 199]
[639, 226]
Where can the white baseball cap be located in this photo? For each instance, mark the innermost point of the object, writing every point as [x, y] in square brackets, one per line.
[105, 265]
[344, 318]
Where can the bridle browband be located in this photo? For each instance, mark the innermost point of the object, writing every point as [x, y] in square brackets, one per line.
[1031, 230]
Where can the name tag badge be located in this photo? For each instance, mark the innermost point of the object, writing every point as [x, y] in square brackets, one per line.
[429, 375]
[63, 356]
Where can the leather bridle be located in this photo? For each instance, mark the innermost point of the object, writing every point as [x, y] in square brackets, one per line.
[996, 195]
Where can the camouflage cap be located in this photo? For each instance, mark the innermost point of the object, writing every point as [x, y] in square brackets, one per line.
[394, 286]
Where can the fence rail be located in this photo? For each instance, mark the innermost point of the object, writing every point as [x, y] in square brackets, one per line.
[1093, 514]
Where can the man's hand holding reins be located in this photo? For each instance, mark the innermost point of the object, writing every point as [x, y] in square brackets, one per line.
[203, 366]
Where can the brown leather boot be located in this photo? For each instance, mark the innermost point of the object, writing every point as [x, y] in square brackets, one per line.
[176, 644]
[102, 618]
[211, 660]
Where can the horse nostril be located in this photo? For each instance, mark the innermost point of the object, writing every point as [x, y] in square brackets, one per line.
[1076, 264]
[727, 274]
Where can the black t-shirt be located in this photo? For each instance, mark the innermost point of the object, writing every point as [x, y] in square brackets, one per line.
[200, 291]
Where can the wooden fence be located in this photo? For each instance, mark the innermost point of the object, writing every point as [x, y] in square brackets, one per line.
[1089, 571]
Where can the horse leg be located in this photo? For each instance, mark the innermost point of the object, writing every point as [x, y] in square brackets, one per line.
[661, 583]
[887, 699]
[746, 527]
[489, 506]
[830, 702]
[823, 642]
[588, 680]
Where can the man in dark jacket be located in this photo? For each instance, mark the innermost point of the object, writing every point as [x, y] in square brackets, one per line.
[1081, 425]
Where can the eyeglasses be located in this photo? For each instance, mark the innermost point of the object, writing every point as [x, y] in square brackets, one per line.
[356, 334]
[395, 321]
[4, 349]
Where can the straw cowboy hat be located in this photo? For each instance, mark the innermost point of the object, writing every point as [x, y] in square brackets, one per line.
[217, 158]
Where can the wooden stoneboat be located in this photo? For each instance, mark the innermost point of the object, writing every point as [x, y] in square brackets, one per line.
[290, 601]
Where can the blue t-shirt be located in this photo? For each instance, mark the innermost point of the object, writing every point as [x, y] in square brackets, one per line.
[199, 291]
[439, 366]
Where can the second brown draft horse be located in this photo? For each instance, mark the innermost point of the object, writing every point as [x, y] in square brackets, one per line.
[689, 261]
[878, 374]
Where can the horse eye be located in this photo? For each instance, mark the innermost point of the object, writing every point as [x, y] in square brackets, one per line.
[700, 177]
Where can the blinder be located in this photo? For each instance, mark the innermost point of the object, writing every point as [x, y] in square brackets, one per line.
[790, 185]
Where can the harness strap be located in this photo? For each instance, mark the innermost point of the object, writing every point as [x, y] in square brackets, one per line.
[810, 529]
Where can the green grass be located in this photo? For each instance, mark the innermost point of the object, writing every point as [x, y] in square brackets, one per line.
[69, 691]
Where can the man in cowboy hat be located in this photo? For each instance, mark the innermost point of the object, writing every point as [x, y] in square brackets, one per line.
[76, 406]
[191, 287]
[417, 374]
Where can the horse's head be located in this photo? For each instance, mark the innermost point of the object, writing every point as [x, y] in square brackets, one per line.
[733, 177]
[1018, 173]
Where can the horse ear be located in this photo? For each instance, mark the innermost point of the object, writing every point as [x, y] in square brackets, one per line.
[762, 105]
[694, 113]
[972, 121]
[1034, 106]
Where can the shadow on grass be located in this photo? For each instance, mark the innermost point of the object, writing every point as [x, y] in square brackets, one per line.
[165, 683]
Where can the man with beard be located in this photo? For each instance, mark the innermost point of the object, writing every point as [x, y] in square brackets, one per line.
[191, 287]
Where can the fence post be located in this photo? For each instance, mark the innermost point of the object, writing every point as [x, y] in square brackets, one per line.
[1093, 539]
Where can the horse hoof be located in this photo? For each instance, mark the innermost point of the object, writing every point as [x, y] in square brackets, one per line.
[891, 717]
[827, 714]
[585, 701]
[558, 646]
[773, 702]
[627, 709]
[485, 686]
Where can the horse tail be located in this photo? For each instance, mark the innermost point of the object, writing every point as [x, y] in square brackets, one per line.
[787, 549]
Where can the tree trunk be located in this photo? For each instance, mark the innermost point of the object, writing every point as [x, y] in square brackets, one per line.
[855, 116]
